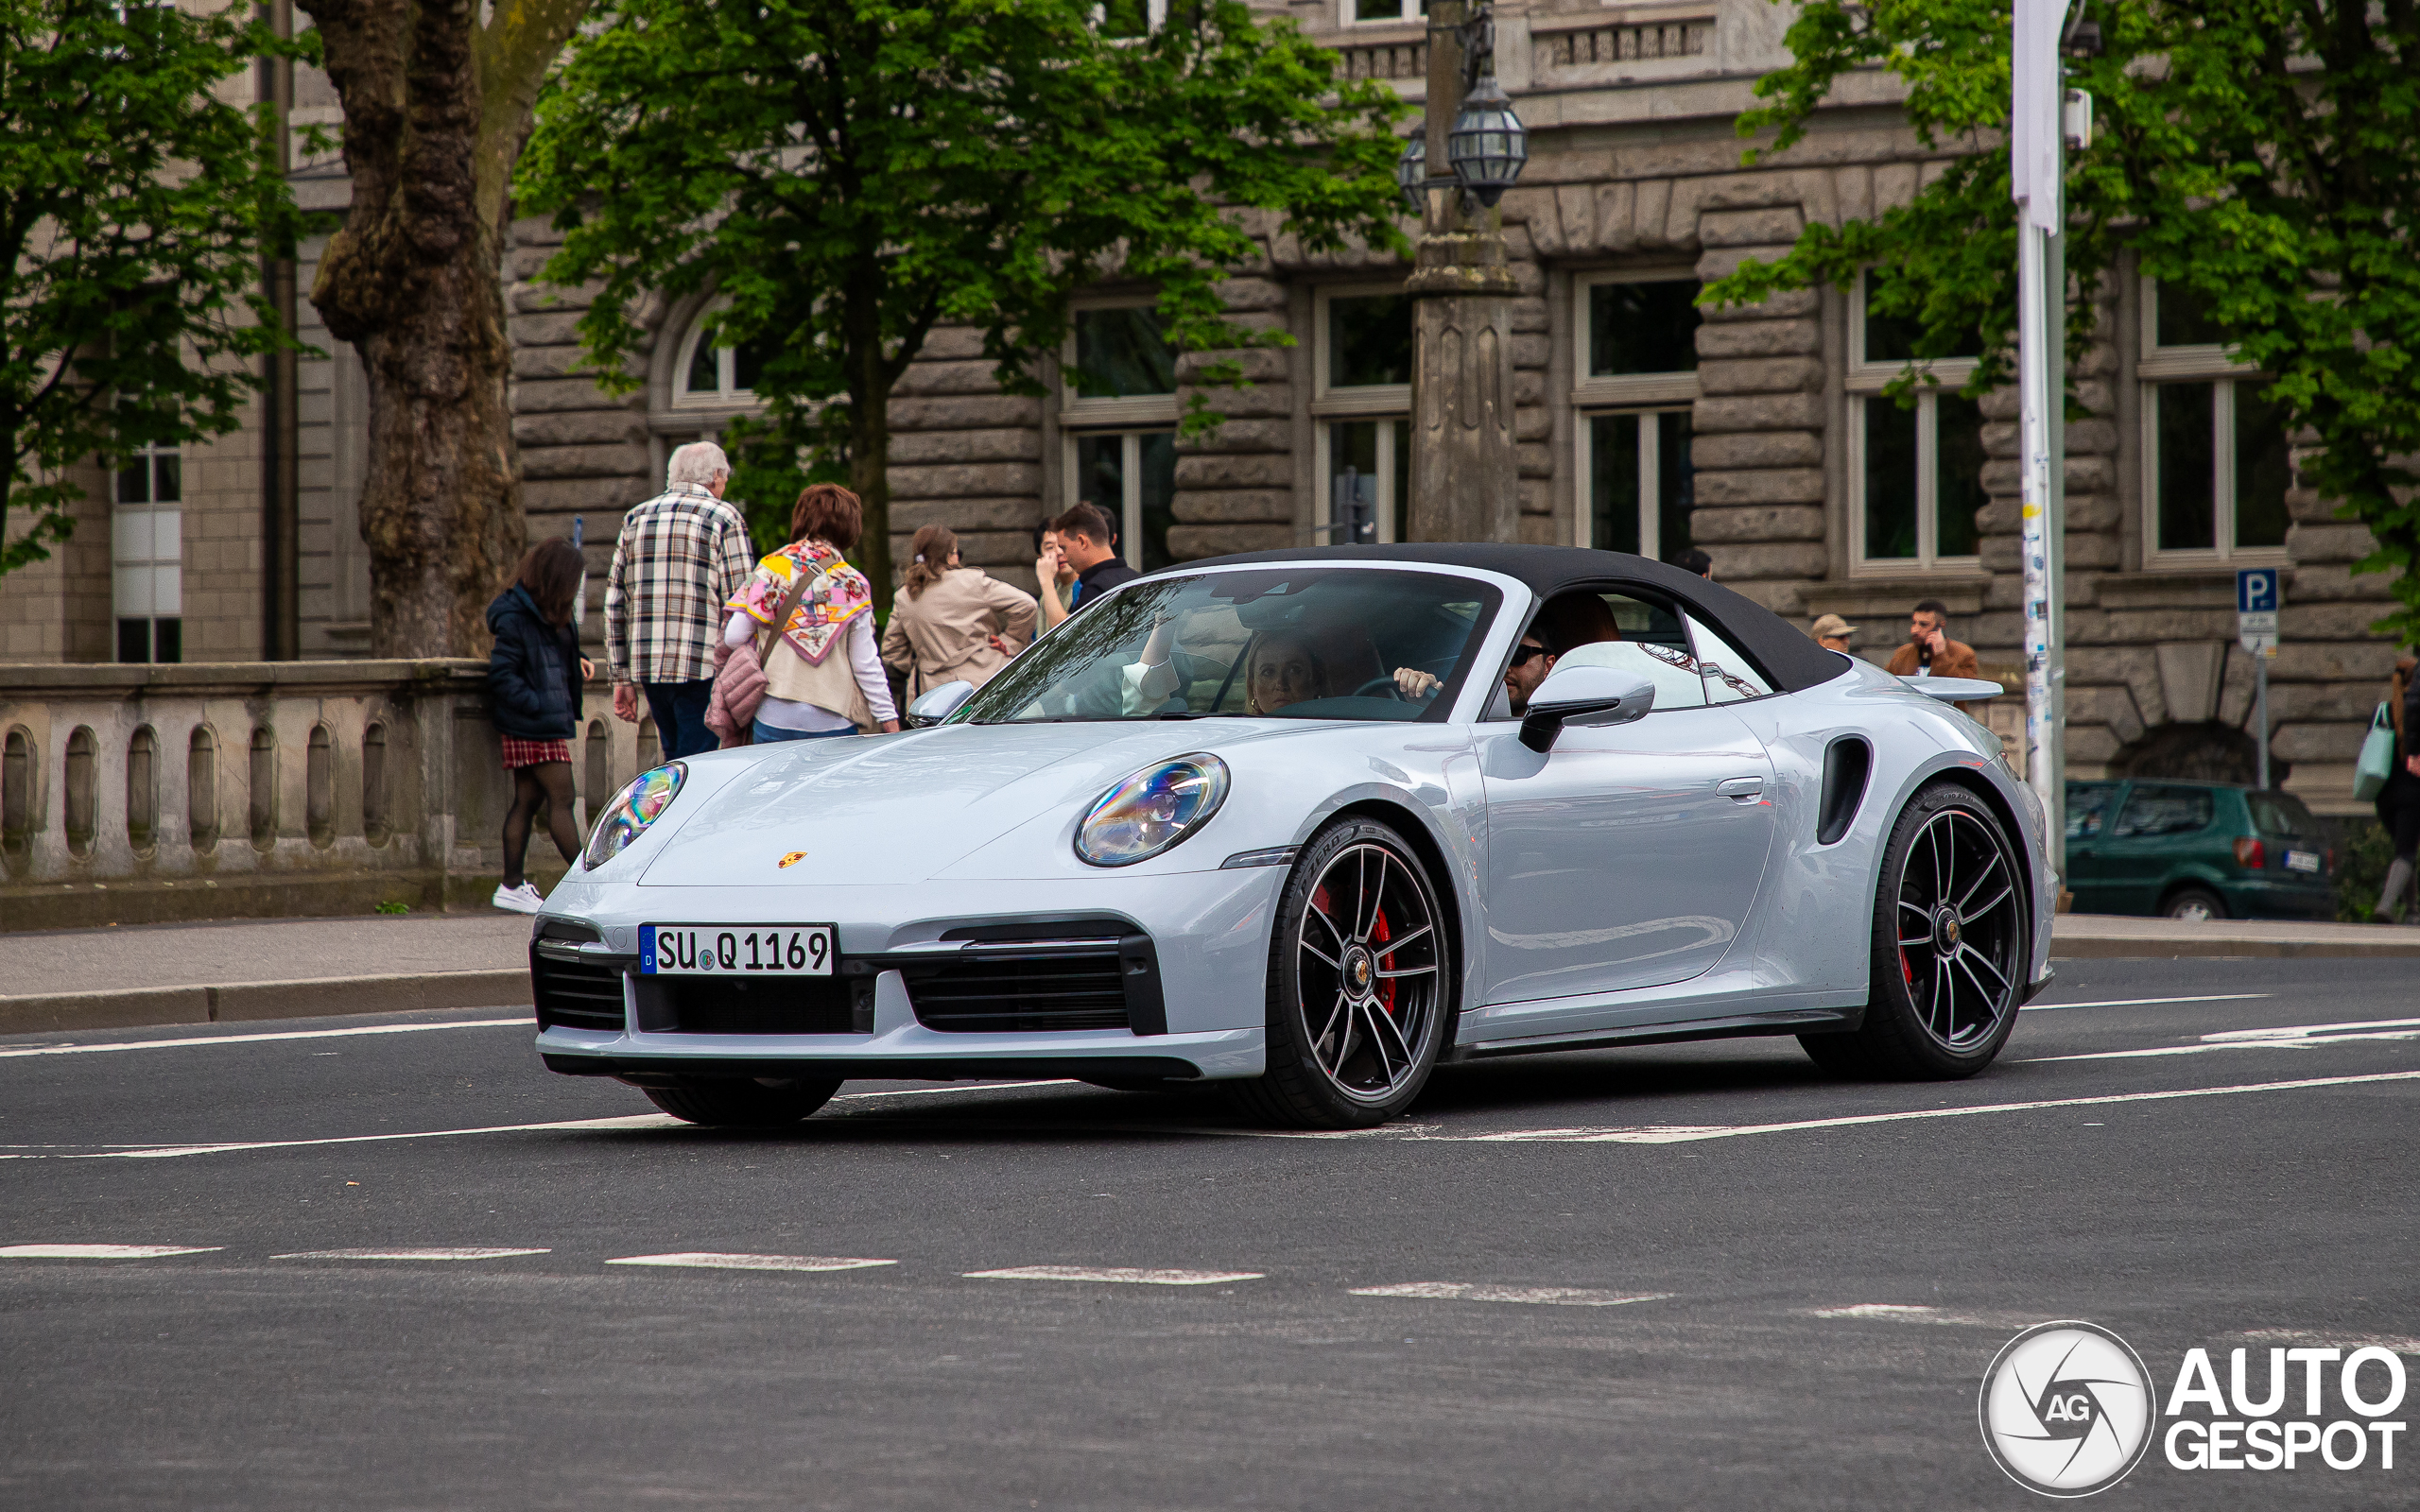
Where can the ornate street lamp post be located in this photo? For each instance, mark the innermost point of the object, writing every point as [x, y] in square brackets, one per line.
[1465, 479]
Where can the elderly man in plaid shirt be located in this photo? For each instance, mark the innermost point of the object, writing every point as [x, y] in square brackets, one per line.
[682, 556]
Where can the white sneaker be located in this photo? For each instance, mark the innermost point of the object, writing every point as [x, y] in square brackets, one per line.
[525, 899]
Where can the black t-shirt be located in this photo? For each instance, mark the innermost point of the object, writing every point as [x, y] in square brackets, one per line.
[1099, 579]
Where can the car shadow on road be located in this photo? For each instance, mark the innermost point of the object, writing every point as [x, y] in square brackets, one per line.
[1590, 1080]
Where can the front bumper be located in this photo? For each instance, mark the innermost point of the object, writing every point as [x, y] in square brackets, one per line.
[1193, 948]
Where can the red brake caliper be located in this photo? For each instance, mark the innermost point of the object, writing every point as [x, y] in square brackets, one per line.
[1380, 934]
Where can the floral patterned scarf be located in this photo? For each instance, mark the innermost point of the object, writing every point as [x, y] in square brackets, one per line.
[837, 593]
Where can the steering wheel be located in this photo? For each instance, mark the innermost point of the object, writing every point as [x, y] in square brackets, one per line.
[1384, 684]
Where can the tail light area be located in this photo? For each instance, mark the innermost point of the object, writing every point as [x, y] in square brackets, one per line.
[2251, 854]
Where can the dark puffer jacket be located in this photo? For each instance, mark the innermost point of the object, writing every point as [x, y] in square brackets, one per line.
[534, 674]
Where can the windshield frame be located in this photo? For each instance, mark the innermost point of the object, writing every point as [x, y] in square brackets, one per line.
[1512, 600]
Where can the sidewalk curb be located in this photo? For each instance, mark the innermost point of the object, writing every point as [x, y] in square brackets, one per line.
[242, 1001]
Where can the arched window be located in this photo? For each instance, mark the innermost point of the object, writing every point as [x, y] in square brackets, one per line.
[715, 377]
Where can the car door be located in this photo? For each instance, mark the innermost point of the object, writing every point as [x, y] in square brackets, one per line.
[1627, 856]
[2091, 807]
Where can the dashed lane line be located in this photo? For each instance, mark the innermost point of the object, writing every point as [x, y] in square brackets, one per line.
[1113, 1272]
[1480, 1292]
[1905, 1312]
[451, 1253]
[102, 1251]
[2147, 1002]
[2288, 1037]
[700, 1260]
[1683, 1134]
[18, 1052]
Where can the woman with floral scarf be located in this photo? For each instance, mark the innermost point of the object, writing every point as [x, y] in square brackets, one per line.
[826, 677]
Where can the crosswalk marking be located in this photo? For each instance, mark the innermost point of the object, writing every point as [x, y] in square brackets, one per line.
[1113, 1272]
[459, 1252]
[703, 1259]
[101, 1251]
[1475, 1292]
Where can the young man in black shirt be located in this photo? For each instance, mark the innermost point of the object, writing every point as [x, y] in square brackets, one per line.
[1088, 543]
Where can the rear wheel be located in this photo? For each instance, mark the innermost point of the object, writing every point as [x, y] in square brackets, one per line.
[2197, 906]
[1358, 995]
[738, 1103]
[1950, 947]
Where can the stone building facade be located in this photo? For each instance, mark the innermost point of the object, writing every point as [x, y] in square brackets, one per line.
[1757, 434]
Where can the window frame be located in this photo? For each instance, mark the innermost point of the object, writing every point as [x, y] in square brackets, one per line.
[1863, 383]
[1637, 397]
[1138, 412]
[726, 400]
[1410, 12]
[2204, 362]
[1388, 405]
[1583, 444]
[1130, 465]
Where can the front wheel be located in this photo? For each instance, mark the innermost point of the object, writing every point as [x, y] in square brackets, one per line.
[1358, 995]
[739, 1103]
[1950, 947]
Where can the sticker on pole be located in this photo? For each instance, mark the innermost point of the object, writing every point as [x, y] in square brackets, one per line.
[2255, 609]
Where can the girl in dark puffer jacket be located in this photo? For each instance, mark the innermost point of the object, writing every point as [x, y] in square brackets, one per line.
[534, 679]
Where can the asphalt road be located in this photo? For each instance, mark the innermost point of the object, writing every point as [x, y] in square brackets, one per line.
[1661, 1276]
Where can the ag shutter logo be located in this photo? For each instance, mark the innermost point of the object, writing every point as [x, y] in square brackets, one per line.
[2068, 1409]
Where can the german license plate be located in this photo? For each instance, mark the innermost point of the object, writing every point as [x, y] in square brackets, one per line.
[734, 950]
[2302, 860]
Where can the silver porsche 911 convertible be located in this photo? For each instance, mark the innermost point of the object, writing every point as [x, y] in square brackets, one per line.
[1306, 824]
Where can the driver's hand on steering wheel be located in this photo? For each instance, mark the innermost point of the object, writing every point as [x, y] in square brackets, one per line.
[1416, 684]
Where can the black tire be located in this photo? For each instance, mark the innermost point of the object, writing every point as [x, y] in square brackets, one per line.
[2196, 903]
[738, 1103]
[1952, 937]
[1385, 976]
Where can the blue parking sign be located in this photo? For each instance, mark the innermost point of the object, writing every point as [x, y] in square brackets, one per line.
[2256, 591]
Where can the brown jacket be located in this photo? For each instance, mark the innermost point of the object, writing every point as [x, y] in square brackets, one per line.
[1956, 659]
[945, 633]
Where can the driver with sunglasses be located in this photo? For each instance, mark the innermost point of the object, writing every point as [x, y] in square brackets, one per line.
[1568, 620]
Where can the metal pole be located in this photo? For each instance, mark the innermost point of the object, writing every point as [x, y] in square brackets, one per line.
[2036, 163]
[2261, 703]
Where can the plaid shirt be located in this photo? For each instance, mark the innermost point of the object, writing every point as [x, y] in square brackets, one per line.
[682, 556]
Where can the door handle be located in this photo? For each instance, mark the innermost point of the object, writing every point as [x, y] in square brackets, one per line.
[1740, 787]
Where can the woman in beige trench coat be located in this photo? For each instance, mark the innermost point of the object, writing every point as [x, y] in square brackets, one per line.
[950, 621]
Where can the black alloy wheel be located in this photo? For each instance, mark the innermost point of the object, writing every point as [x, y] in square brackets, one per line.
[739, 1103]
[1359, 988]
[1950, 946]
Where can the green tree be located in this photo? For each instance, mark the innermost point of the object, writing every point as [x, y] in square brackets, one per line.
[437, 95]
[2258, 154]
[135, 208]
[850, 173]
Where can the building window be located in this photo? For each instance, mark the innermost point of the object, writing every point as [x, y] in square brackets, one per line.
[146, 555]
[1637, 367]
[2217, 456]
[714, 377]
[1915, 464]
[1362, 401]
[1117, 423]
[1382, 10]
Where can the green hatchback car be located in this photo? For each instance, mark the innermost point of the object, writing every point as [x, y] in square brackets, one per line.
[2196, 851]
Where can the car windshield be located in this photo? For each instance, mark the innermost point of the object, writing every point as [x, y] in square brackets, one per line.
[1284, 643]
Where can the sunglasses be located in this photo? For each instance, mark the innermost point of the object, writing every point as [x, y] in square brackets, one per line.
[1522, 653]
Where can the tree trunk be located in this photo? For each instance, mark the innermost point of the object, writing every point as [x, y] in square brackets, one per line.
[436, 109]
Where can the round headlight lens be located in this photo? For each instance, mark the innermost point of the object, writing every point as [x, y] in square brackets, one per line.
[633, 810]
[1152, 810]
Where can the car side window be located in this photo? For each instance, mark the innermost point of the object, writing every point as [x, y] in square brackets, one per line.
[1652, 640]
[1730, 676]
[2088, 809]
[2156, 810]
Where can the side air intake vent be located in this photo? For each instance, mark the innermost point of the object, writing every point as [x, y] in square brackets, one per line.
[1847, 762]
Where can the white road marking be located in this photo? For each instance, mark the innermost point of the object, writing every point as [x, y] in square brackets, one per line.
[2145, 1003]
[704, 1260]
[11, 1051]
[467, 1252]
[2343, 1340]
[102, 1251]
[1902, 1312]
[1472, 1292]
[1113, 1272]
[170, 1151]
[2288, 1037]
[1681, 1134]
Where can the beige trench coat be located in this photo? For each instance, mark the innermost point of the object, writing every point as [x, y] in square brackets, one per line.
[947, 633]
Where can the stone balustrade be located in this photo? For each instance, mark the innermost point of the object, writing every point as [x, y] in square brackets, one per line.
[138, 794]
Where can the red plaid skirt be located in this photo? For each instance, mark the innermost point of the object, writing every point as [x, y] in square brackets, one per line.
[531, 752]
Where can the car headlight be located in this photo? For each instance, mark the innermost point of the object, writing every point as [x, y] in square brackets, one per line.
[633, 810]
[1152, 810]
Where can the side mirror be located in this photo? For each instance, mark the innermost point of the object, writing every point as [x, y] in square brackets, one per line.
[938, 703]
[1584, 696]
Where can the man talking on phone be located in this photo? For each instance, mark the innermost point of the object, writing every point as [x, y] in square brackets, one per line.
[1929, 651]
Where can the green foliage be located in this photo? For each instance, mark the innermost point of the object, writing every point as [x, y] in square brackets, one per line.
[394, 906]
[2363, 852]
[135, 208]
[2257, 155]
[850, 173]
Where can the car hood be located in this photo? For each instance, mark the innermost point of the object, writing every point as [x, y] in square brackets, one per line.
[912, 807]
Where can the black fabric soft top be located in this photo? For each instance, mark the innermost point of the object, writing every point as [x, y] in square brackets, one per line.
[1789, 659]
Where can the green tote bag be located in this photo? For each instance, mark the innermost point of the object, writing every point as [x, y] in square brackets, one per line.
[2378, 758]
